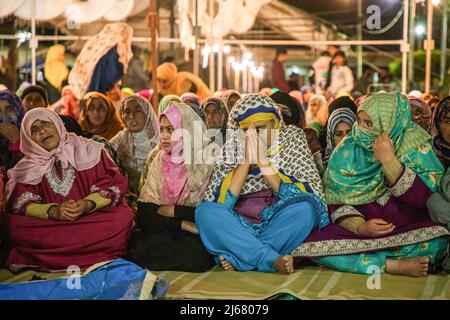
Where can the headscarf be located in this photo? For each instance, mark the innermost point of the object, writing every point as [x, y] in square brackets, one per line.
[14, 102]
[289, 155]
[80, 153]
[343, 102]
[189, 97]
[337, 116]
[55, 69]
[266, 91]
[354, 176]
[112, 124]
[426, 112]
[225, 97]
[72, 105]
[297, 95]
[180, 82]
[440, 145]
[310, 118]
[113, 35]
[179, 178]
[127, 144]
[293, 113]
[198, 111]
[37, 89]
[166, 101]
[220, 106]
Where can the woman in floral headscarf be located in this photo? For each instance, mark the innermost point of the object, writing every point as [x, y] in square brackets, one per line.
[140, 136]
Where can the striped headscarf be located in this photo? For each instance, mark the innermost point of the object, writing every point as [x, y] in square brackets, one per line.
[337, 116]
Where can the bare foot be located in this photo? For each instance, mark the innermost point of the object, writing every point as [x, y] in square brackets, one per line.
[225, 264]
[415, 267]
[284, 264]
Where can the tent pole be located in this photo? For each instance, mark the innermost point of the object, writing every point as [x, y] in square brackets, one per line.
[153, 24]
[33, 43]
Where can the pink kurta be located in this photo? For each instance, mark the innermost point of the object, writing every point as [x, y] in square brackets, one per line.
[95, 237]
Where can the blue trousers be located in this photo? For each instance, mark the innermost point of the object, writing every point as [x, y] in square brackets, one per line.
[223, 235]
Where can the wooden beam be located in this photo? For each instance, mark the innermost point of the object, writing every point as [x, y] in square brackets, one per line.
[153, 22]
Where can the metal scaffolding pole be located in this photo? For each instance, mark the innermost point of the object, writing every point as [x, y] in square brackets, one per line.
[429, 45]
[153, 25]
[359, 49]
[33, 43]
[405, 45]
[443, 44]
[411, 42]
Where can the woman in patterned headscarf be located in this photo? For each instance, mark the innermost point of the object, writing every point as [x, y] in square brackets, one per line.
[11, 115]
[377, 185]
[251, 219]
[441, 124]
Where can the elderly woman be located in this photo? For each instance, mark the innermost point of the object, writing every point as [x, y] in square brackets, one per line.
[264, 200]
[377, 185]
[176, 183]
[99, 116]
[140, 136]
[317, 102]
[65, 199]
[11, 115]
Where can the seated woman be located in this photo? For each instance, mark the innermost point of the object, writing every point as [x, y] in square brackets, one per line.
[377, 185]
[65, 200]
[339, 125]
[229, 97]
[140, 136]
[11, 115]
[34, 97]
[174, 186]
[170, 81]
[438, 205]
[421, 113]
[441, 126]
[216, 119]
[317, 102]
[99, 116]
[255, 215]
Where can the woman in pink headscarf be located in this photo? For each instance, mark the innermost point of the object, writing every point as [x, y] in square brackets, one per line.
[64, 199]
[174, 186]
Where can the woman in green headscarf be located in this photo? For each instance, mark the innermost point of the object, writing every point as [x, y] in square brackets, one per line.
[377, 185]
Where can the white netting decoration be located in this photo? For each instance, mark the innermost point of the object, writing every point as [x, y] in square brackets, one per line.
[45, 9]
[232, 16]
